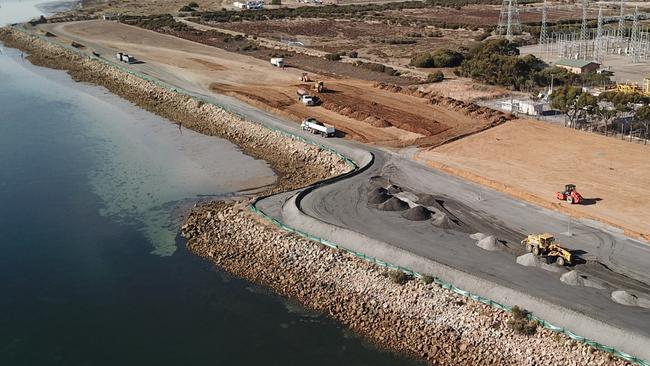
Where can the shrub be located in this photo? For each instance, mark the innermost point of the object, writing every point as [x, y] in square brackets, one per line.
[397, 277]
[276, 2]
[435, 77]
[333, 56]
[353, 54]
[427, 279]
[447, 58]
[193, 4]
[422, 60]
[434, 34]
[186, 9]
[520, 323]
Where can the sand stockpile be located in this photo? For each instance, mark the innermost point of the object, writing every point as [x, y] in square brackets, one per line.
[409, 197]
[489, 243]
[417, 213]
[393, 204]
[378, 196]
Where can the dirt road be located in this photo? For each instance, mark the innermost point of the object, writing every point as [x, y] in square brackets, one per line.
[208, 69]
[532, 160]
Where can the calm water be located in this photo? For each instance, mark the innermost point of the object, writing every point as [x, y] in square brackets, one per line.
[92, 271]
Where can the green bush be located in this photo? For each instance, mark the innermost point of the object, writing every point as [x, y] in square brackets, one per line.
[422, 60]
[397, 276]
[435, 77]
[333, 56]
[427, 279]
[447, 58]
[276, 2]
[353, 54]
[186, 9]
[520, 323]
[193, 4]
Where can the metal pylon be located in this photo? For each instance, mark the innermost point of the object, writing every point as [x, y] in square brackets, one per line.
[598, 49]
[543, 36]
[634, 37]
[621, 23]
[509, 19]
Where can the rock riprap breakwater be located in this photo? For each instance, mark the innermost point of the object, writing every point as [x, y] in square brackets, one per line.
[296, 163]
[420, 319]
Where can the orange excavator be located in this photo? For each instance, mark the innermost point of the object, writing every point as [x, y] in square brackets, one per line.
[569, 194]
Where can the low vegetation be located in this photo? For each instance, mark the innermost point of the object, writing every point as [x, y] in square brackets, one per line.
[520, 323]
[398, 277]
[435, 77]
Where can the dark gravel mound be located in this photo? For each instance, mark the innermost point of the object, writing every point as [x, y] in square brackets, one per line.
[393, 189]
[427, 200]
[393, 204]
[378, 181]
[378, 195]
[417, 213]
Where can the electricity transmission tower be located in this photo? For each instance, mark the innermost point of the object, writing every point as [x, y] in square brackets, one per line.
[509, 19]
[599, 51]
[621, 22]
[543, 36]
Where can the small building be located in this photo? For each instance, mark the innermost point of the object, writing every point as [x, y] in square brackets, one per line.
[518, 106]
[578, 66]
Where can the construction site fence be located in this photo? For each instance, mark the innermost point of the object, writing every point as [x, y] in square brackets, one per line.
[253, 207]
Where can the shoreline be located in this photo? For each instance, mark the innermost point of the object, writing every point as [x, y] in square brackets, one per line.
[216, 221]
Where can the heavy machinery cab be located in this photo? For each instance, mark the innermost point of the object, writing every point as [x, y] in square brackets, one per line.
[546, 239]
[544, 244]
[569, 194]
[569, 188]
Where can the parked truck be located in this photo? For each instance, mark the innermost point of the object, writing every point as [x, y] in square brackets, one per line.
[316, 127]
[277, 61]
[306, 98]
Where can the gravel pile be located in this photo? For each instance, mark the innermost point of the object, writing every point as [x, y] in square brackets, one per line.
[441, 220]
[393, 204]
[572, 278]
[378, 195]
[427, 200]
[489, 243]
[417, 213]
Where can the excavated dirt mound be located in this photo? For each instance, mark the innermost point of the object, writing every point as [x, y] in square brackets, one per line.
[380, 115]
[417, 213]
[489, 243]
[378, 181]
[393, 204]
[378, 195]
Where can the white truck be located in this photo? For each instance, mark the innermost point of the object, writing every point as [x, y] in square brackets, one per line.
[306, 98]
[277, 61]
[126, 58]
[314, 126]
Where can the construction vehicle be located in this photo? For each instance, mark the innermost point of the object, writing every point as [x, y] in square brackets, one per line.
[306, 98]
[569, 194]
[628, 88]
[319, 86]
[544, 244]
[305, 78]
[314, 126]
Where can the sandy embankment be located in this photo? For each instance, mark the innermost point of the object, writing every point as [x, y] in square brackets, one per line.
[423, 320]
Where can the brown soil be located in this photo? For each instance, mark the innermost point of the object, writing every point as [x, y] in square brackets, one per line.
[532, 160]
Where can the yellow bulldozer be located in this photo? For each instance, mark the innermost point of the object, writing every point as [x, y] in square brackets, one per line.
[544, 244]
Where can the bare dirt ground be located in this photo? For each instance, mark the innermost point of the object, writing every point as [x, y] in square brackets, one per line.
[409, 120]
[532, 160]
